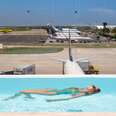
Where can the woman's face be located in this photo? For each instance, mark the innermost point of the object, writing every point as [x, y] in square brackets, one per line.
[90, 89]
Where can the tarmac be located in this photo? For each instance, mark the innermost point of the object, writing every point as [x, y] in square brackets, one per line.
[103, 58]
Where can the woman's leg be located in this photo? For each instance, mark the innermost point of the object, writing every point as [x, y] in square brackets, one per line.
[13, 97]
[40, 91]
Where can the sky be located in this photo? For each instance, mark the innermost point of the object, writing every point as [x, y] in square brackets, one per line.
[57, 12]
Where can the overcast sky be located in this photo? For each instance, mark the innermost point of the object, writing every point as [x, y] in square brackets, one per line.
[59, 12]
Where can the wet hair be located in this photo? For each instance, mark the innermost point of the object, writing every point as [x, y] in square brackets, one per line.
[98, 90]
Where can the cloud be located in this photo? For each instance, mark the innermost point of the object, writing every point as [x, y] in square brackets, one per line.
[104, 11]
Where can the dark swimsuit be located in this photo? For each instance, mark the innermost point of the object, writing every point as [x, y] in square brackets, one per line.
[72, 91]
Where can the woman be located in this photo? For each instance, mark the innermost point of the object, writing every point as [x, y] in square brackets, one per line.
[88, 90]
[74, 92]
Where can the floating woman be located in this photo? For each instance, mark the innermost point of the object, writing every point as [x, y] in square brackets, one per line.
[74, 92]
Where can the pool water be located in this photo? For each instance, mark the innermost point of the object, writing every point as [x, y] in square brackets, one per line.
[105, 101]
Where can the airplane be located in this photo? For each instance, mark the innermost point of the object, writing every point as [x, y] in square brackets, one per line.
[62, 35]
[70, 66]
[6, 30]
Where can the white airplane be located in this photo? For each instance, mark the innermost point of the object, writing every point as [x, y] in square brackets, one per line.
[70, 66]
[63, 34]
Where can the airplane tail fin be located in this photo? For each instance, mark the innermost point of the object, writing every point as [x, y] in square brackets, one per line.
[52, 29]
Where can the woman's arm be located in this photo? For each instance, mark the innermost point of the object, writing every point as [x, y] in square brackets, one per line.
[63, 99]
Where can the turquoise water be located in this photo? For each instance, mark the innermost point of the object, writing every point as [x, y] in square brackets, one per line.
[105, 101]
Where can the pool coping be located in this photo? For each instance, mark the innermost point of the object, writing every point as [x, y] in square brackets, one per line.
[57, 76]
[58, 114]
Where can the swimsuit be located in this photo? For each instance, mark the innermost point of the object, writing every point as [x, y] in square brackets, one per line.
[66, 91]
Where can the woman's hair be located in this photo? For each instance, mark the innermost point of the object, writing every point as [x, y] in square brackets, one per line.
[98, 90]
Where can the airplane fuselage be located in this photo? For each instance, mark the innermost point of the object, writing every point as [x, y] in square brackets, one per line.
[72, 68]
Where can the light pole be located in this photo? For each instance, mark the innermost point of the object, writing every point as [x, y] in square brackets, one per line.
[70, 51]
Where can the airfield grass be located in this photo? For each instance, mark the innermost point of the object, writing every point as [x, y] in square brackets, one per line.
[30, 50]
[86, 45]
[65, 45]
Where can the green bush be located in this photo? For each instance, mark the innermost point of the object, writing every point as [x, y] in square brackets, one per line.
[104, 32]
[114, 30]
